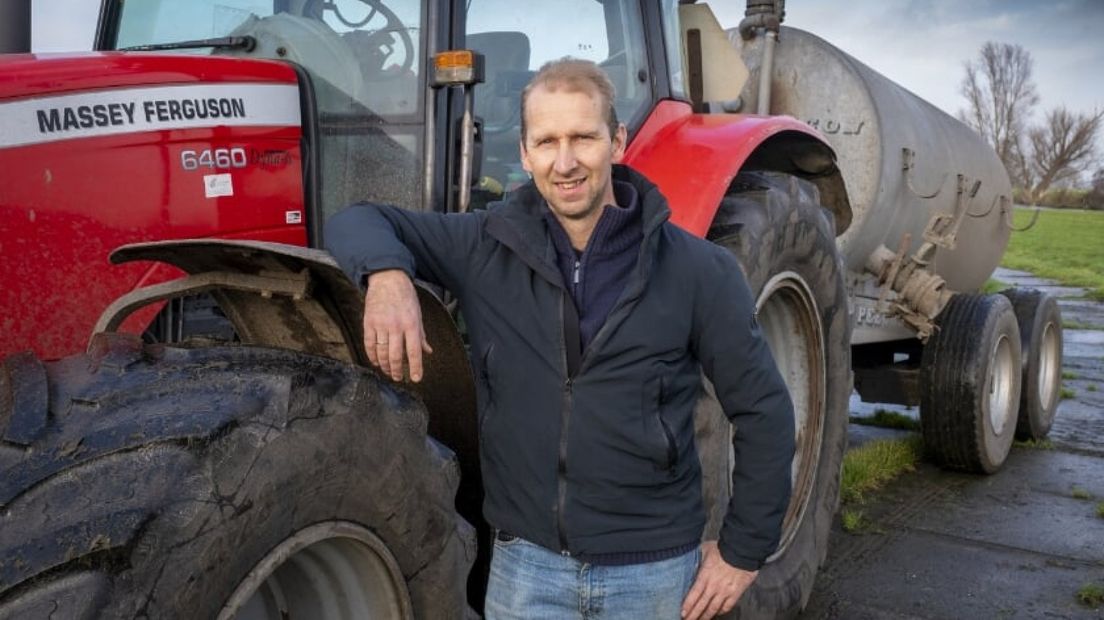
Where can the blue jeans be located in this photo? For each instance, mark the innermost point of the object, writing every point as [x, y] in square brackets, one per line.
[529, 581]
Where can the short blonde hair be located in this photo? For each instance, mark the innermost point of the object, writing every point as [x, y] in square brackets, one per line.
[574, 75]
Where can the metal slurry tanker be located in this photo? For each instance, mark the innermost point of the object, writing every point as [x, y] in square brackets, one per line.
[931, 217]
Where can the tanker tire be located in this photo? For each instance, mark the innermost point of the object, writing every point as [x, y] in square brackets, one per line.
[1040, 323]
[774, 225]
[970, 384]
[148, 481]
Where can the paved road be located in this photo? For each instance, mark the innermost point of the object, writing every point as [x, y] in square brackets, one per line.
[1013, 545]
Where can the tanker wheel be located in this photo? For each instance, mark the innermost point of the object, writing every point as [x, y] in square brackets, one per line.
[1040, 323]
[219, 483]
[785, 243]
[970, 384]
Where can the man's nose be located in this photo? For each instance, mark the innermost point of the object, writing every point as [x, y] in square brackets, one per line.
[565, 157]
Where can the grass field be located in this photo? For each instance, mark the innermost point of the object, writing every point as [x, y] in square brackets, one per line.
[1064, 245]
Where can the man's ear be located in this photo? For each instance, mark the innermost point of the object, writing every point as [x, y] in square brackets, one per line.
[620, 139]
[528, 167]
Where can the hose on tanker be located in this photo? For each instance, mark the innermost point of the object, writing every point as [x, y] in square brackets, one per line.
[762, 14]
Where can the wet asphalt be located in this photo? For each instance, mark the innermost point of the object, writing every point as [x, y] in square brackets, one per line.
[1017, 544]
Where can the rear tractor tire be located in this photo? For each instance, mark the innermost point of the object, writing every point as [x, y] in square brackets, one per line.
[970, 384]
[230, 482]
[1040, 323]
[785, 243]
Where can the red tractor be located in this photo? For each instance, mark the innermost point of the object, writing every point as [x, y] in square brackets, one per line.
[220, 447]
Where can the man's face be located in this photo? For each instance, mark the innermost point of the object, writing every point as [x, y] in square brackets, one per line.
[569, 151]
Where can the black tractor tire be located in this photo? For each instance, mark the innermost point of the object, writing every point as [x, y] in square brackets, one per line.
[970, 384]
[785, 243]
[1040, 322]
[152, 481]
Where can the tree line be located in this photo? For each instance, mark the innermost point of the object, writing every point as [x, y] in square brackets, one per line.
[1046, 160]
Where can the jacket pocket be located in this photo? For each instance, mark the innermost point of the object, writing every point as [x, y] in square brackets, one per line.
[663, 449]
[486, 384]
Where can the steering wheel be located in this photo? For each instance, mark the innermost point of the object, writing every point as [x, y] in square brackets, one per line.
[381, 41]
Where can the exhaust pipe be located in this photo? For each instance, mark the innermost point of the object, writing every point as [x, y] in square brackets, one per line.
[765, 15]
[15, 26]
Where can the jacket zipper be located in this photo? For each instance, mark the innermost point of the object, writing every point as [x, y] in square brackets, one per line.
[561, 471]
[568, 403]
[565, 419]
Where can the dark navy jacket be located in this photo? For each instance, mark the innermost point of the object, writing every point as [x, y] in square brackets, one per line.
[594, 454]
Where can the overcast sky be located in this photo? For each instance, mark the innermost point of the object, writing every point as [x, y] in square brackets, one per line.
[920, 44]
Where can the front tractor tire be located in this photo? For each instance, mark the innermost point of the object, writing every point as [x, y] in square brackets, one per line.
[784, 241]
[970, 384]
[229, 482]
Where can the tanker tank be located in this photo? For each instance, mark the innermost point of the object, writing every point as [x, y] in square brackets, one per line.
[903, 160]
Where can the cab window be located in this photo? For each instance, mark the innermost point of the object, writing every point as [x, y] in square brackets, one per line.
[516, 43]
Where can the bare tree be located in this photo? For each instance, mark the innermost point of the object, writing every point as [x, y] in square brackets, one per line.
[1096, 194]
[1001, 96]
[1061, 148]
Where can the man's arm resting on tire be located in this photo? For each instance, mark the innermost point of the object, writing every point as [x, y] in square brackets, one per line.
[435, 247]
[382, 248]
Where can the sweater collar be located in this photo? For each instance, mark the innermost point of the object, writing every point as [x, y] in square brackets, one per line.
[519, 222]
[617, 228]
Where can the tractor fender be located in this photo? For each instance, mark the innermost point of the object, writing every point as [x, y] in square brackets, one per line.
[693, 158]
[290, 297]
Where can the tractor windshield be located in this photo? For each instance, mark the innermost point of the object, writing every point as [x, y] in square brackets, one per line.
[363, 57]
[516, 42]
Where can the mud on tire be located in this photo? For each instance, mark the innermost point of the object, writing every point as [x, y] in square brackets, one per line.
[784, 240]
[148, 480]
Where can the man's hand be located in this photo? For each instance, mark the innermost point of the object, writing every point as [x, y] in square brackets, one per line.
[717, 587]
[393, 324]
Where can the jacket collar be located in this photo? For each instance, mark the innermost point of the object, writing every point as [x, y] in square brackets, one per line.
[518, 222]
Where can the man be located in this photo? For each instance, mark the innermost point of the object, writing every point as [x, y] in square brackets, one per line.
[590, 319]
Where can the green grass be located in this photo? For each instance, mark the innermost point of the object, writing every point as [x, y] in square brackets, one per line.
[869, 467]
[1091, 387]
[1063, 246]
[1070, 324]
[993, 286]
[1100, 509]
[889, 419]
[853, 520]
[1035, 444]
[1069, 375]
[1067, 393]
[1078, 493]
[1091, 595]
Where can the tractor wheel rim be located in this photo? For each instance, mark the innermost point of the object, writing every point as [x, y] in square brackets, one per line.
[1002, 378]
[329, 571]
[1050, 366]
[790, 322]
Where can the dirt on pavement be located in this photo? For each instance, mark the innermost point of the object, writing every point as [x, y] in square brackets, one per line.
[1017, 544]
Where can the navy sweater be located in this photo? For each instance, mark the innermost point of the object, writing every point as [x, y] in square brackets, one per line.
[596, 276]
